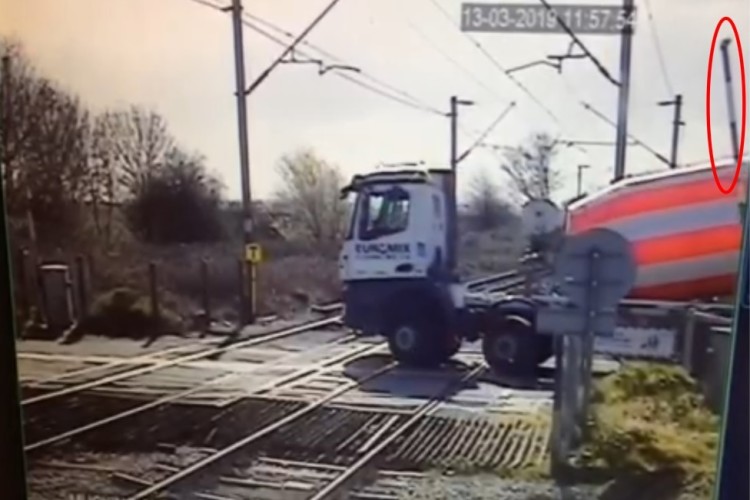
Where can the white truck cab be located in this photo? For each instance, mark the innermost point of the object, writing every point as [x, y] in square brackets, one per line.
[397, 228]
[395, 267]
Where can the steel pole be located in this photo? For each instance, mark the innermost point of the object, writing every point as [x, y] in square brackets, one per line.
[248, 309]
[624, 92]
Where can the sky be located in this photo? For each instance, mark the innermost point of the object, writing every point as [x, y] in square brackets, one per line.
[176, 57]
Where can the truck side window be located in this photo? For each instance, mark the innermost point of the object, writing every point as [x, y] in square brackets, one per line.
[436, 207]
[384, 213]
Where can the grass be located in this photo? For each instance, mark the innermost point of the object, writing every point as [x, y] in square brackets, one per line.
[651, 417]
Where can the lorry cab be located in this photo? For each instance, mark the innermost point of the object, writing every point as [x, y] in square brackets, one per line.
[397, 228]
[393, 264]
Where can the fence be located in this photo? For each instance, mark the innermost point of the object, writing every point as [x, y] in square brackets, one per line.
[53, 294]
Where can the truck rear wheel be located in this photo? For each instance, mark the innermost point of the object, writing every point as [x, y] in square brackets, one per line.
[512, 349]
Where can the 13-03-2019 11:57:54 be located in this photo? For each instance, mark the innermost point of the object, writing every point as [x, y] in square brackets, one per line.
[535, 18]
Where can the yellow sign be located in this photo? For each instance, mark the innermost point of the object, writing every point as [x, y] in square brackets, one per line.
[253, 253]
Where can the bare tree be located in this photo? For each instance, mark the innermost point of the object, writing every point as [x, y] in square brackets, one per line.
[485, 207]
[137, 142]
[45, 157]
[529, 167]
[20, 88]
[99, 183]
[310, 192]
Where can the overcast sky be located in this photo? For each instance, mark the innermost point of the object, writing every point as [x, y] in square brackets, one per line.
[176, 57]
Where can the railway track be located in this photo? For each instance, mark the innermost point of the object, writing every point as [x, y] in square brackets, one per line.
[493, 280]
[380, 438]
[348, 438]
[221, 455]
[348, 476]
[179, 360]
[57, 416]
[137, 408]
[45, 428]
[186, 353]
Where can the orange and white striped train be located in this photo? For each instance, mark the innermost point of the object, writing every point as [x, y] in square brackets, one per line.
[686, 235]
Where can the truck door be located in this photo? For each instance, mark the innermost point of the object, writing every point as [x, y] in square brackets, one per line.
[387, 243]
[347, 247]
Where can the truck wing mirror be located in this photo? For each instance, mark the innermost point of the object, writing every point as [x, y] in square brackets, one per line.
[344, 193]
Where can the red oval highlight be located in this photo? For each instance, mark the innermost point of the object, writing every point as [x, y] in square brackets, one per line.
[708, 106]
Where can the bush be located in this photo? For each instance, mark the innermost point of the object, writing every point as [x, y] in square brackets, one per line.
[123, 312]
[179, 203]
[651, 417]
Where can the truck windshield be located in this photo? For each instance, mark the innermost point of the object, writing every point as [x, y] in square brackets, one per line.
[384, 213]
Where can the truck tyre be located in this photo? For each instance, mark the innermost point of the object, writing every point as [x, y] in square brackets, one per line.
[413, 339]
[451, 346]
[512, 349]
[545, 348]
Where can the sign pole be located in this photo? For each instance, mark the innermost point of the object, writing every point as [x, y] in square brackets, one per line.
[624, 93]
[596, 270]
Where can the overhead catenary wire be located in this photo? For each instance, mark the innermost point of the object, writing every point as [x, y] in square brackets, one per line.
[657, 45]
[486, 132]
[323, 52]
[602, 69]
[291, 47]
[469, 74]
[600, 114]
[497, 65]
[212, 5]
[637, 141]
[414, 104]
[394, 94]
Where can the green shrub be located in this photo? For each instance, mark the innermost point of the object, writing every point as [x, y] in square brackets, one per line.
[650, 417]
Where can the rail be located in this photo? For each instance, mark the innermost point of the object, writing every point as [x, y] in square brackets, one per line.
[384, 437]
[242, 443]
[155, 363]
[295, 330]
[349, 475]
[171, 398]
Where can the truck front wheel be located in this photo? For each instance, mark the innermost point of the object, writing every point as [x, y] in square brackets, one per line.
[451, 346]
[512, 349]
[413, 343]
[415, 333]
